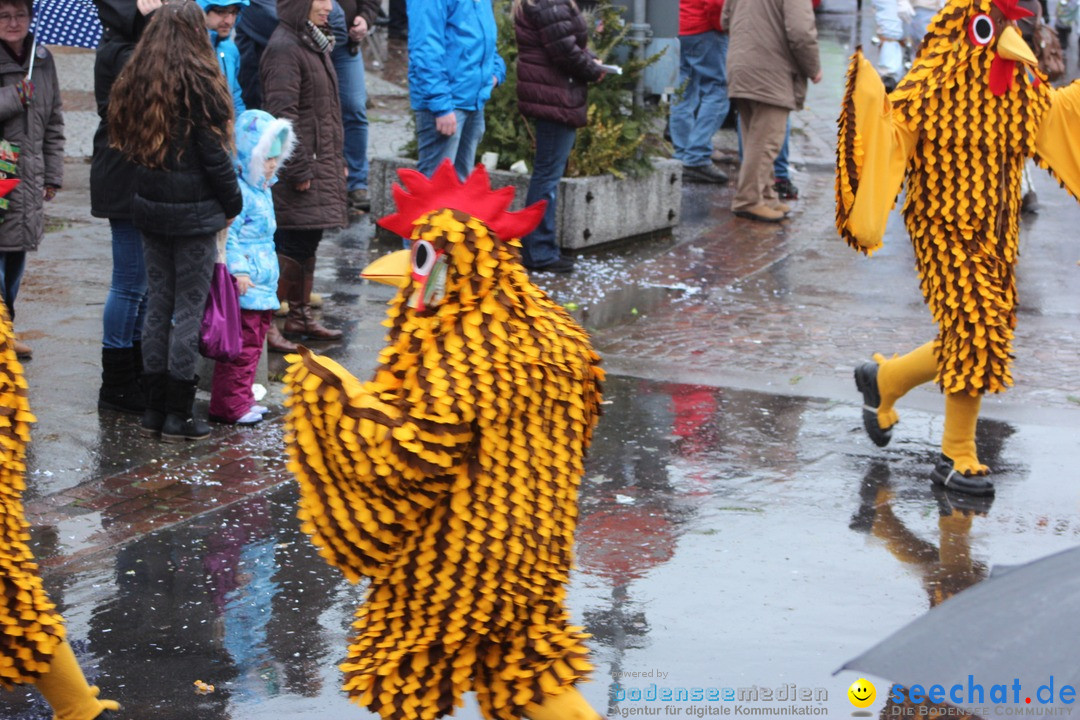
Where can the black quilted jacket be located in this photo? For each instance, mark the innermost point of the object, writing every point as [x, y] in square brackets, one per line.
[554, 64]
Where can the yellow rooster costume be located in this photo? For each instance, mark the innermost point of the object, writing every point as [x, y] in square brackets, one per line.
[451, 479]
[32, 645]
[959, 127]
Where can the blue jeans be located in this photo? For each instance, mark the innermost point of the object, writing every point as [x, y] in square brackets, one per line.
[554, 141]
[704, 103]
[781, 166]
[125, 306]
[350, 72]
[12, 265]
[459, 148]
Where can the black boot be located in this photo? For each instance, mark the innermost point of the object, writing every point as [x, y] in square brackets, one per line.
[136, 358]
[120, 389]
[180, 423]
[1063, 34]
[155, 391]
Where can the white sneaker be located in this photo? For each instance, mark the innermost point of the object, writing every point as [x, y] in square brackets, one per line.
[261, 409]
[249, 418]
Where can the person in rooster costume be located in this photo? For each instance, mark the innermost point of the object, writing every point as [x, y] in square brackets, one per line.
[958, 128]
[451, 478]
[33, 648]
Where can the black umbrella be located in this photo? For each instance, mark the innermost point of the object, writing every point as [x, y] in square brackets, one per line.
[1011, 641]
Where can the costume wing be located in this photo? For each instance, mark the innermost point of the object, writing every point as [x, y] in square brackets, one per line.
[873, 149]
[369, 466]
[1057, 145]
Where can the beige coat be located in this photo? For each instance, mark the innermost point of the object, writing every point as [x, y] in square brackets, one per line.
[773, 50]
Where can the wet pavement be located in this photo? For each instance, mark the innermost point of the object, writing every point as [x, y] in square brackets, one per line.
[737, 530]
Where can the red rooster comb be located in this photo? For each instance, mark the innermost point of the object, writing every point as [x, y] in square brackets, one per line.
[417, 195]
[1011, 10]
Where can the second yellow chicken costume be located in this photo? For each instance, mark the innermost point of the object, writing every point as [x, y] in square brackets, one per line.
[451, 478]
[32, 645]
[958, 128]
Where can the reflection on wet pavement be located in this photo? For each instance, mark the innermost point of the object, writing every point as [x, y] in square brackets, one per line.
[727, 538]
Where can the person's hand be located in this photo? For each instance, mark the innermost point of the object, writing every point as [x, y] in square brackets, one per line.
[49, 192]
[302, 186]
[359, 29]
[446, 124]
[243, 283]
[817, 78]
[494, 81]
[148, 6]
[25, 89]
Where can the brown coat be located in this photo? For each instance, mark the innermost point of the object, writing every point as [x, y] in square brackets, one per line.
[299, 84]
[772, 52]
[38, 130]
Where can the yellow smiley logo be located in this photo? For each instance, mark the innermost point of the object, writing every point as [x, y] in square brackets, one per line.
[861, 693]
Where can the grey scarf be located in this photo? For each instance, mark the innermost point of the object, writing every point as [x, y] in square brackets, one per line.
[324, 42]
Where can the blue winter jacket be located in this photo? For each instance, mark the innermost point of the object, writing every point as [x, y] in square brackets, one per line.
[228, 54]
[250, 248]
[452, 57]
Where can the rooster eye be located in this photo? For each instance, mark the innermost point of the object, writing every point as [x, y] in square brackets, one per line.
[423, 257]
[981, 30]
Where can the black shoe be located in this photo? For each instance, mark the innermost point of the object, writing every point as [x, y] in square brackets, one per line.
[951, 502]
[786, 189]
[562, 265]
[945, 475]
[707, 173]
[1029, 204]
[155, 391]
[120, 390]
[177, 428]
[866, 382]
[889, 81]
[359, 201]
[180, 423]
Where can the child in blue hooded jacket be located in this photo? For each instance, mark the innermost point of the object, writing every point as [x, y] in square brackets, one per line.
[263, 144]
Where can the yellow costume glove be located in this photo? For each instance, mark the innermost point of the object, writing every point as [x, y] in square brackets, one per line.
[66, 690]
[567, 705]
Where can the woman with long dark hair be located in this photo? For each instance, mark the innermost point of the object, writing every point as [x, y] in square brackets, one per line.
[171, 113]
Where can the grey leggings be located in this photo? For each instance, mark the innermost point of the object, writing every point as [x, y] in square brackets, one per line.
[179, 271]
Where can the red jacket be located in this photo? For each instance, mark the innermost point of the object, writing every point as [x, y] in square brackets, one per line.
[698, 16]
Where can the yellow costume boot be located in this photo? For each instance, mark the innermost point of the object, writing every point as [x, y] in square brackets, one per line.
[66, 690]
[567, 705]
[885, 381]
[959, 467]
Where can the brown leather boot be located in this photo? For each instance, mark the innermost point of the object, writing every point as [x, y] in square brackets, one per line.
[278, 343]
[290, 275]
[301, 321]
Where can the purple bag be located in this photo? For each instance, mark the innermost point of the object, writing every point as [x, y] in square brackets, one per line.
[221, 335]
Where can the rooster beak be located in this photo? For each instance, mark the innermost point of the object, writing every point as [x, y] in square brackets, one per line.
[393, 269]
[1011, 46]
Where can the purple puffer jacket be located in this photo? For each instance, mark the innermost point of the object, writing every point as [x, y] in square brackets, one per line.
[554, 64]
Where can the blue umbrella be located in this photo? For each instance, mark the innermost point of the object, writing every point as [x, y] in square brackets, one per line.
[66, 22]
